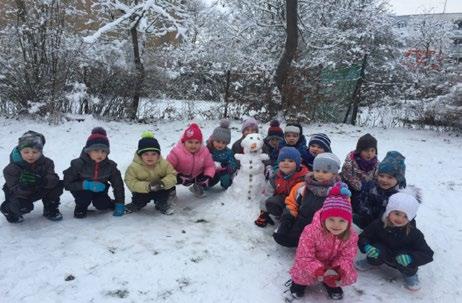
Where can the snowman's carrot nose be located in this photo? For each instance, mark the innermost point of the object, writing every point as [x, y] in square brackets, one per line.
[253, 146]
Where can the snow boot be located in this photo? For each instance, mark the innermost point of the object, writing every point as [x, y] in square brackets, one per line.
[131, 208]
[335, 293]
[263, 219]
[52, 214]
[412, 282]
[10, 217]
[197, 190]
[295, 291]
[165, 208]
[80, 213]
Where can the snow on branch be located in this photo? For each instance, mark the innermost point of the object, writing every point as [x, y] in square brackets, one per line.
[168, 17]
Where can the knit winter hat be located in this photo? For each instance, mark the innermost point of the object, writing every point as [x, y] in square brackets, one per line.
[293, 128]
[365, 142]
[275, 131]
[337, 203]
[321, 140]
[393, 164]
[97, 140]
[403, 202]
[31, 139]
[147, 143]
[249, 122]
[292, 153]
[326, 162]
[192, 132]
[222, 132]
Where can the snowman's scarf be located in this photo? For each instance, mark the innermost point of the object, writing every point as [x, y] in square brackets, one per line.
[320, 189]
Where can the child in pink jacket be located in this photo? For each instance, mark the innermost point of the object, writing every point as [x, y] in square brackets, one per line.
[327, 248]
[192, 160]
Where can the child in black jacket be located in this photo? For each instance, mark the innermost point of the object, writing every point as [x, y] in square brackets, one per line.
[395, 241]
[30, 176]
[89, 177]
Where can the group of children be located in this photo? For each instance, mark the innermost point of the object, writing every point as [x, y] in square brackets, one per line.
[313, 201]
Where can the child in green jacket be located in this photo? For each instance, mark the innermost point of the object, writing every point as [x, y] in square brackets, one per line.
[150, 177]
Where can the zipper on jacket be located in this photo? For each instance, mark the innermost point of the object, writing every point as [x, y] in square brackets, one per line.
[96, 172]
[194, 161]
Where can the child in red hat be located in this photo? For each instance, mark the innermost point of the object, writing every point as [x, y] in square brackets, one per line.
[192, 160]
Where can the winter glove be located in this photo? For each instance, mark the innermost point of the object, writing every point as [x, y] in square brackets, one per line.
[156, 186]
[331, 278]
[372, 251]
[269, 173]
[184, 180]
[203, 180]
[119, 210]
[404, 259]
[319, 273]
[229, 169]
[29, 179]
[93, 186]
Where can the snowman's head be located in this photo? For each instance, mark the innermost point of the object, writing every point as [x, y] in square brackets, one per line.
[252, 143]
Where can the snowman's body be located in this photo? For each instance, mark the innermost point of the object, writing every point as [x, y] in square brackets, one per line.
[250, 179]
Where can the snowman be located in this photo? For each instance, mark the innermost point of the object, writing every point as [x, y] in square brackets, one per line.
[250, 179]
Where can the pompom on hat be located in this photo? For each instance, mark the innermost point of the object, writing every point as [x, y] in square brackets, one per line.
[275, 131]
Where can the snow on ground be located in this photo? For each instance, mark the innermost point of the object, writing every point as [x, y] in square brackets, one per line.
[210, 250]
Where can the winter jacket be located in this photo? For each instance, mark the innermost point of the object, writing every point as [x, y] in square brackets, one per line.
[397, 241]
[318, 248]
[283, 184]
[353, 175]
[372, 202]
[301, 147]
[236, 147]
[43, 168]
[225, 157]
[138, 176]
[189, 164]
[273, 153]
[84, 168]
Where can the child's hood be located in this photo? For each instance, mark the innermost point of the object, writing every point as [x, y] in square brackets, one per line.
[16, 158]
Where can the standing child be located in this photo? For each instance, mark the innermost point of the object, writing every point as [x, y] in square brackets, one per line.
[289, 173]
[192, 161]
[30, 176]
[249, 126]
[318, 144]
[90, 175]
[393, 240]
[150, 177]
[374, 195]
[360, 166]
[226, 164]
[306, 198]
[327, 248]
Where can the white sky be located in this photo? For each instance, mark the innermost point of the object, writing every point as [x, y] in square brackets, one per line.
[409, 7]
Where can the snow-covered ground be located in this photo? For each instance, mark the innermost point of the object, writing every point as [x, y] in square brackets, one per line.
[210, 250]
